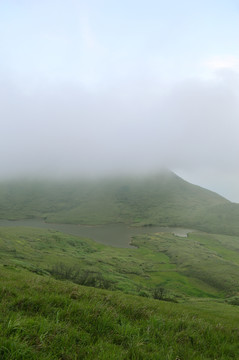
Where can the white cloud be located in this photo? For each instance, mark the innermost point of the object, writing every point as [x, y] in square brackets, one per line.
[226, 62]
[87, 35]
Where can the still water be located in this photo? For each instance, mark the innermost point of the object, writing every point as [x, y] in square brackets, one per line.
[117, 235]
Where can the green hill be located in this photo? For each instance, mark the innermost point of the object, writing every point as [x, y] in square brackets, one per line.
[165, 200]
[64, 297]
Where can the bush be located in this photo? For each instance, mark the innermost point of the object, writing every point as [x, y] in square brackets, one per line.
[82, 277]
[159, 293]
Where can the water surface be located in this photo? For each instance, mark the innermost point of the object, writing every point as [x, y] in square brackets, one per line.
[118, 235]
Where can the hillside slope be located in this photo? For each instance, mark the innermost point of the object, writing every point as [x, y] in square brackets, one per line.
[165, 200]
[42, 318]
[201, 265]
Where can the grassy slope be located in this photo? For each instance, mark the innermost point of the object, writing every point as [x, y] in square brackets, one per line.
[211, 260]
[41, 318]
[202, 265]
[165, 199]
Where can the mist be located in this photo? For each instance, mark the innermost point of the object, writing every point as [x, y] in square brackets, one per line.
[106, 107]
[69, 131]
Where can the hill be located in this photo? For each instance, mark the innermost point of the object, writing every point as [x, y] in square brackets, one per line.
[65, 297]
[165, 200]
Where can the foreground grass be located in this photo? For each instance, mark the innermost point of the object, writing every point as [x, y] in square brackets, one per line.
[42, 318]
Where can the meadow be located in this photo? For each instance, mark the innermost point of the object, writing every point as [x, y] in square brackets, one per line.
[43, 318]
[200, 265]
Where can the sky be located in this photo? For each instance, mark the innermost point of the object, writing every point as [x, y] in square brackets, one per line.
[103, 87]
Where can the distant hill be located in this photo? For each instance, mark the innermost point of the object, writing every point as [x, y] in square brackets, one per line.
[164, 199]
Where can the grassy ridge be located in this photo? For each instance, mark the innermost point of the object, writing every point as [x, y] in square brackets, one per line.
[41, 318]
[164, 200]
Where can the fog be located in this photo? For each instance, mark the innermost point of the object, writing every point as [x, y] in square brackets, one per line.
[129, 118]
[67, 130]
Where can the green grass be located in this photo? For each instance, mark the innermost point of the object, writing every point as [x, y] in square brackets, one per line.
[46, 313]
[210, 260]
[201, 265]
[42, 318]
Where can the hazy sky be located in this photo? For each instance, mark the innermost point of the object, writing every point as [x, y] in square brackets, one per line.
[94, 87]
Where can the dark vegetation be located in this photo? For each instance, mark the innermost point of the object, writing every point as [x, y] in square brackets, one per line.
[79, 276]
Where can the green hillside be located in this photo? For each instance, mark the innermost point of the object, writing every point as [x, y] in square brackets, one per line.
[201, 265]
[164, 200]
[41, 318]
[65, 297]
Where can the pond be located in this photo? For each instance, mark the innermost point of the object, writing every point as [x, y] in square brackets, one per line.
[118, 235]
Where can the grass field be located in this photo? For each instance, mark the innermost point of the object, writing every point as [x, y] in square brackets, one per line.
[201, 265]
[187, 308]
[42, 318]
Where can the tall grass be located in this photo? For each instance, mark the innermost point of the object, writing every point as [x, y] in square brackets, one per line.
[42, 318]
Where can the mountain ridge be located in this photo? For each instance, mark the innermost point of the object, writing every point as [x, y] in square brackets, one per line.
[163, 199]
